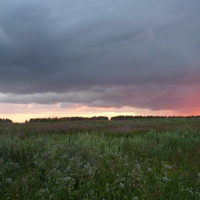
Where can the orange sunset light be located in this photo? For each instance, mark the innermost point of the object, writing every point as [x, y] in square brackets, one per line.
[26, 112]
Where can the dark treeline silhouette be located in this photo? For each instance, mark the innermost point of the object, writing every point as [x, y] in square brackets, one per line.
[103, 118]
[67, 119]
[5, 121]
[129, 117]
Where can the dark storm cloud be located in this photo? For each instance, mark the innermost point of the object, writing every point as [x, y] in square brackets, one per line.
[62, 51]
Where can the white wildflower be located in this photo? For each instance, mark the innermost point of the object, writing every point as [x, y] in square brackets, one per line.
[35, 162]
[123, 179]
[67, 178]
[67, 169]
[16, 166]
[168, 166]
[138, 166]
[107, 187]
[121, 185]
[9, 180]
[149, 170]
[90, 171]
[138, 179]
[64, 156]
[165, 179]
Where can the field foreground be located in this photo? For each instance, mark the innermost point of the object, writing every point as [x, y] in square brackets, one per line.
[104, 160]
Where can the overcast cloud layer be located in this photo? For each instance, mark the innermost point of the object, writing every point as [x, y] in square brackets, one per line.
[137, 53]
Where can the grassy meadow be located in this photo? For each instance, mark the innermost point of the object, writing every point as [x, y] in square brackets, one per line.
[140, 159]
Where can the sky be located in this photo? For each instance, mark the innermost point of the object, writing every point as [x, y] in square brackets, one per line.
[90, 58]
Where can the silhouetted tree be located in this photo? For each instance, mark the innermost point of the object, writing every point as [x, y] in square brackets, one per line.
[5, 121]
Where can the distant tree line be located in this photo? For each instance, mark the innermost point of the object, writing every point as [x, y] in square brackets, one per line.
[5, 121]
[55, 119]
[104, 118]
[129, 117]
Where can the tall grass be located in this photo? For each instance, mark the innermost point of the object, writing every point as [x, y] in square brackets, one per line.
[99, 164]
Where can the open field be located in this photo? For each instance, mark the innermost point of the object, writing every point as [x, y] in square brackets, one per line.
[123, 159]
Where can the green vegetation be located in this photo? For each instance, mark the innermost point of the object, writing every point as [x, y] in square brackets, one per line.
[156, 158]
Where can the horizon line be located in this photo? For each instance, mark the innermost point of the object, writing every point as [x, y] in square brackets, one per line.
[4, 120]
